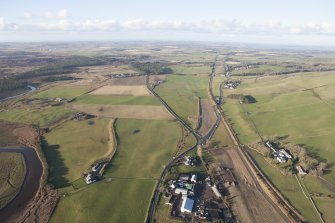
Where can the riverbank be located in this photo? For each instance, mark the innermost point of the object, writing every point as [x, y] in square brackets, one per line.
[22, 92]
[30, 185]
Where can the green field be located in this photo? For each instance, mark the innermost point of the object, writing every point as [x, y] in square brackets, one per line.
[216, 84]
[191, 69]
[289, 187]
[41, 117]
[62, 92]
[124, 195]
[116, 201]
[327, 207]
[182, 92]
[13, 170]
[143, 154]
[72, 147]
[298, 107]
[271, 69]
[117, 100]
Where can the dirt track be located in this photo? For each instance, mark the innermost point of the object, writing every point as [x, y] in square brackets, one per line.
[248, 202]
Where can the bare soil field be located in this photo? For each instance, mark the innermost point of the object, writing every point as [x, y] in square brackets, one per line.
[126, 111]
[135, 90]
[248, 203]
[136, 80]
[208, 116]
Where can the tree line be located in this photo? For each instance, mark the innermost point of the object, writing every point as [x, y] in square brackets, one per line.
[11, 84]
[152, 68]
[66, 66]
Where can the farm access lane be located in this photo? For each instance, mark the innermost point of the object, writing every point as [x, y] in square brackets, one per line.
[154, 200]
[200, 140]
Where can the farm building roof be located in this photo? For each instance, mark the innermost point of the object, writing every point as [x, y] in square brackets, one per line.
[189, 204]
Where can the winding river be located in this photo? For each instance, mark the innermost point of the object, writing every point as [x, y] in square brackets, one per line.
[30, 186]
[32, 88]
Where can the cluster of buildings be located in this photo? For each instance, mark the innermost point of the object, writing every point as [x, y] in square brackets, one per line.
[184, 186]
[96, 171]
[189, 161]
[124, 75]
[281, 155]
[192, 197]
[231, 84]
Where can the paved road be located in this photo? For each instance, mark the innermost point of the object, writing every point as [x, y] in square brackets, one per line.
[200, 140]
[34, 170]
[153, 203]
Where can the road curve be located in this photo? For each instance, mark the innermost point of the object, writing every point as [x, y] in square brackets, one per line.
[30, 186]
[153, 203]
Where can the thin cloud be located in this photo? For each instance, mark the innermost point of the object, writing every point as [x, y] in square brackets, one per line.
[2, 23]
[61, 21]
[27, 15]
[60, 15]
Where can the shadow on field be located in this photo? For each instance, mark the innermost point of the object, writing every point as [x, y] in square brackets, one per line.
[114, 165]
[56, 167]
[313, 152]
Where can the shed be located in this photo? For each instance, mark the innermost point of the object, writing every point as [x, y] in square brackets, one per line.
[194, 178]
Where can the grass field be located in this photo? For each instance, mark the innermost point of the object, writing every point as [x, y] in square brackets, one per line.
[181, 93]
[216, 85]
[289, 187]
[62, 92]
[124, 196]
[13, 170]
[147, 151]
[261, 69]
[123, 201]
[150, 112]
[41, 117]
[72, 147]
[299, 107]
[327, 207]
[222, 136]
[134, 90]
[117, 100]
[191, 69]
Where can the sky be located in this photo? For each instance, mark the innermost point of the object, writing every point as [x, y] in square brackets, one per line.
[286, 22]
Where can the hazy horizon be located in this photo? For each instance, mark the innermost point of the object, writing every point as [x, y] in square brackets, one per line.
[262, 22]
